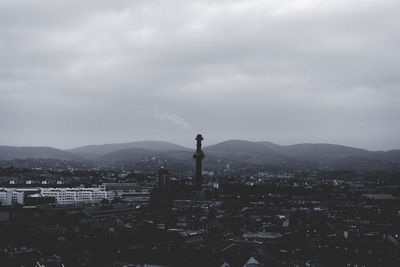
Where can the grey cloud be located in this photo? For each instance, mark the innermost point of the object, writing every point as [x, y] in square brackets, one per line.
[73, 72]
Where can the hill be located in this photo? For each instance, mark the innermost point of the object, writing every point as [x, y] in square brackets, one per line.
[249, 152]
[305, 155]
[25, 152]
[237, 153]
[96, 151]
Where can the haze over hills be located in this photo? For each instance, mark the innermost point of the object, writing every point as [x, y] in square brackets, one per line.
[246, 151]
[93, 151]
[235, 152]
[317, 155]
[24, 152]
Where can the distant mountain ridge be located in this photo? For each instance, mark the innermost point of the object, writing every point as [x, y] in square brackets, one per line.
[321, 155]
[93, 151]
[237, 152]
[24, 152]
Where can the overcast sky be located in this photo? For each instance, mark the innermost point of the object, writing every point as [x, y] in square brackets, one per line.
[91, 72]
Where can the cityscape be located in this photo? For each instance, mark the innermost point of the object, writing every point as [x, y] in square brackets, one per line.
[72, 216]
[201, 133]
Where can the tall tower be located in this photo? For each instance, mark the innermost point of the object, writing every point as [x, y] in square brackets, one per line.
[199, 156]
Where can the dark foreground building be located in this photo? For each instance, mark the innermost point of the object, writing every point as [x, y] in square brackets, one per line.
[160, 196]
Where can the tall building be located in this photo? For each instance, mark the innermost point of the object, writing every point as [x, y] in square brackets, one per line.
[199, 156]
[160, 195]
[163, 178]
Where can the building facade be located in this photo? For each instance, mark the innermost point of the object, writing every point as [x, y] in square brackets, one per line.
[73, 196]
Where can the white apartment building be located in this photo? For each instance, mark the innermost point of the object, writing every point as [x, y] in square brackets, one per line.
[9, 196]
[63, 196]
[18, 196]
[72, 196]
[5, 196]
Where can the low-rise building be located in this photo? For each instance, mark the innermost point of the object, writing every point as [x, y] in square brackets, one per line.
[72, 196]
[5, 197]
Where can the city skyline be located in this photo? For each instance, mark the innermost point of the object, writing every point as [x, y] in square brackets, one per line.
[200, 133]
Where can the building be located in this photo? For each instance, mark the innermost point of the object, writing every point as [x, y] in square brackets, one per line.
[73, 196]
[136, 197]
[160, 196]
[10, 196]
[5, 197]
[119, 186]
[38, 199]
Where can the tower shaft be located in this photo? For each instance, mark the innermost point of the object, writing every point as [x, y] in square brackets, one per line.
[199, 156]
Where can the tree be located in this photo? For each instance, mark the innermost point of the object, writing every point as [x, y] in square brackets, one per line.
[116, 200]
[104, 201]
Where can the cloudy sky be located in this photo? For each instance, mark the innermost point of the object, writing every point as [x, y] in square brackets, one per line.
[286, 71]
